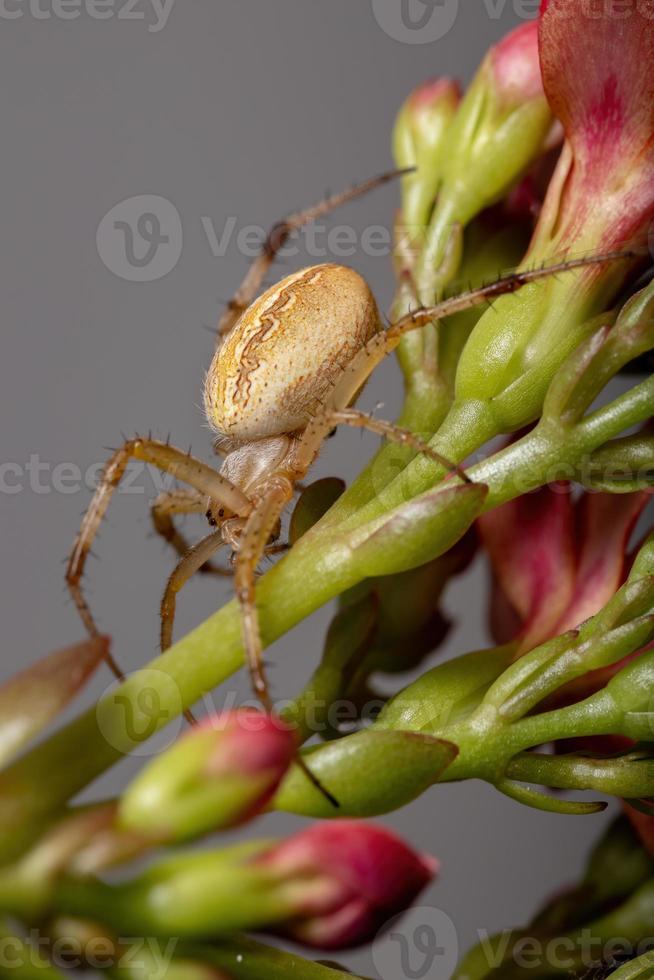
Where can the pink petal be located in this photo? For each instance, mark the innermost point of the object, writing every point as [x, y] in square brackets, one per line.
[531, 545]
[596, 63]
[605, 522]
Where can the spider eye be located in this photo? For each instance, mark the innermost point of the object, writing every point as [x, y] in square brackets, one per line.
[221, 512]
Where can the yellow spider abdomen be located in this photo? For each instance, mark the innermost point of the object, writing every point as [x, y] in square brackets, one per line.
[287, 350]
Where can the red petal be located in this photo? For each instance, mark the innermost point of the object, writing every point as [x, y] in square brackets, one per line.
[531, 543]
[606, 522]
[596, 62]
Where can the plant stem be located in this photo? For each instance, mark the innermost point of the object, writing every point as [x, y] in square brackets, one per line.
[318, 568]
[619, 777]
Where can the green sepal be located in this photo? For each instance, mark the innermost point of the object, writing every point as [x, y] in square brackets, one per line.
[420, 530]
[446, 693]
[356, 771]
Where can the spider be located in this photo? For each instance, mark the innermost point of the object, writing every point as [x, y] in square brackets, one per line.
[287, 369]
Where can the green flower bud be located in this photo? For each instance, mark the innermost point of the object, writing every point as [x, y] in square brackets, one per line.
[419, 140]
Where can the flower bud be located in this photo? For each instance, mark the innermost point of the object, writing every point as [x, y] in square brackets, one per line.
[419, 141]
[500, 129]
[332, 886]
[219, 775]
[34, 697]
[600, 198]
[349, 878]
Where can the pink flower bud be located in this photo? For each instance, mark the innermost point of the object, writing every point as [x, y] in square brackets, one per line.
[249, 742]
[219, 775]
[530, 542]
[515, 65]
[432, 96]
[348, 879]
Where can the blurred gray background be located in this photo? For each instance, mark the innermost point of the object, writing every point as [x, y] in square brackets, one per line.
[237, 110]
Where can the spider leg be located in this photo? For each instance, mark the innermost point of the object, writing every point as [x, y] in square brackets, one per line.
[278, 236]
[364, 362]
[253, 540]
[500, 287]
[191, 562]
[179, 464]
[394, 433]
[163, 510]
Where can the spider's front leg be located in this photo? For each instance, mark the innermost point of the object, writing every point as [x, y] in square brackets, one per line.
[182, 466]
[275, 495]
[260, 526]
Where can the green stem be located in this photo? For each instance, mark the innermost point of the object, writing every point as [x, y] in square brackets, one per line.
[317, 569]
[486, 746]
[625, 778]
[244, 959]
